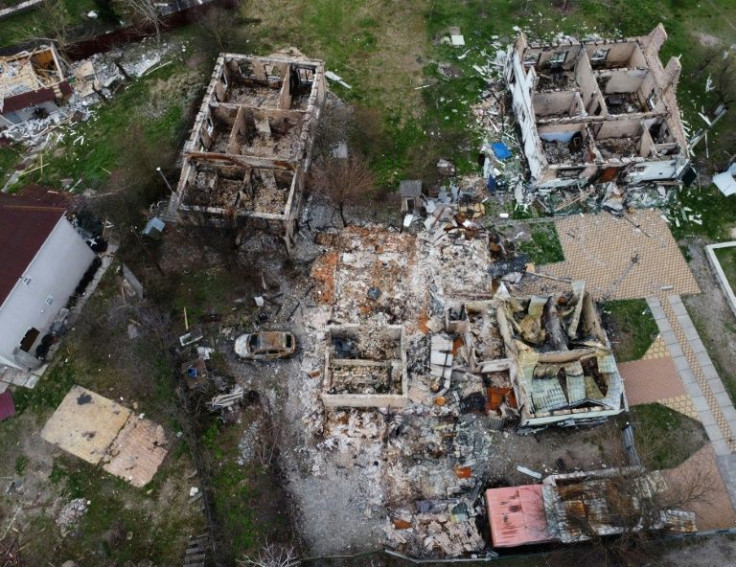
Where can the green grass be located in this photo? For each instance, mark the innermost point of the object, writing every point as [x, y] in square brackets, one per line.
[21, 463]
[664, 438]
[233, 503]
[130, 130]
[718, 213]
[45, 21]
[49, 392]
[122, 523]
[718, 339]
[633, 328]
[727, 260]
[10, 156]
[544, 246]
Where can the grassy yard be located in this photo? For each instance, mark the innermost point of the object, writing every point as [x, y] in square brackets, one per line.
[543, 246]
[664, 438]
[390, 55]
[141, 127]
[10, 155]
[57, 19]
[249, 500]
[631, 327]
[122, 523]
[727, 260]
[718, 339]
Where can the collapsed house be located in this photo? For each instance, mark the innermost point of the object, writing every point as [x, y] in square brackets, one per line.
[598, 111]
[579, 506]
[565, 371]
[365, 369]
[32, 85]
[250, 147]
[425, 352]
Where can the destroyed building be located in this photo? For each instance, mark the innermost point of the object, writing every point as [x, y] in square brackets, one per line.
[251, 143]
[365, 369]
[32, 85]
[597, 111]
[565, 371]
[423, 355]
[579, 506]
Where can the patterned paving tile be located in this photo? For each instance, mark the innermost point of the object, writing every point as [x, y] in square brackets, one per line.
[658, 349]
[649, 381]
[682, 404]
[710, 400]
[715, 511]
[620, 261]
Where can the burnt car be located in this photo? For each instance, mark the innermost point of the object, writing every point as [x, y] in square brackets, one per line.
[265, 346]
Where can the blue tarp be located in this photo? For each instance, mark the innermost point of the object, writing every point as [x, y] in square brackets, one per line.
[501, 150]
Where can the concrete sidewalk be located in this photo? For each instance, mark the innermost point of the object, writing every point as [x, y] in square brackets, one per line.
[696, 370]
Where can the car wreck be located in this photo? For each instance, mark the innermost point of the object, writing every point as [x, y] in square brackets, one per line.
[268, 345]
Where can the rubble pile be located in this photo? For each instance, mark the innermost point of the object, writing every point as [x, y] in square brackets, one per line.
[101, 72]
[70, 515]
[369, 261]
[469, 349]
[436, 529]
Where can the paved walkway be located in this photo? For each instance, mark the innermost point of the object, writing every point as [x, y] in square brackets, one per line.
[639, 258]
[698, 375]
[619, 260]
[654, 379]
[713, 510]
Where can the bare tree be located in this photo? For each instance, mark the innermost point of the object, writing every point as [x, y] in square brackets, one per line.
[218, 29]
[639, 502]
[342, 182]
[144, 13]
[49, 23]
[272, 556]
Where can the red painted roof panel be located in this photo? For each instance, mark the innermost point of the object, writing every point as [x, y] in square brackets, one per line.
[7, 407]
[517, 516]
[24, 227]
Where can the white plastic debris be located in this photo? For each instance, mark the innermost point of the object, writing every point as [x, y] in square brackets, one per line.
[337, 78]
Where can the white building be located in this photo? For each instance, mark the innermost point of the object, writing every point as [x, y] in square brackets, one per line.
[42, 260]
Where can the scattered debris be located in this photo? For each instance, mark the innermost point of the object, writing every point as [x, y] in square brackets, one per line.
[227, 401]
[726, 181]
[336, 78]
[70, 515]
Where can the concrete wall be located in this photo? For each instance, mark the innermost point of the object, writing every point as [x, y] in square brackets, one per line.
[522, 85]
[585, 80]
[364, 401]
[558, 102]
[619, 54]
[55, 272]
[656, 170]
[628, 81]
[619, 129]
